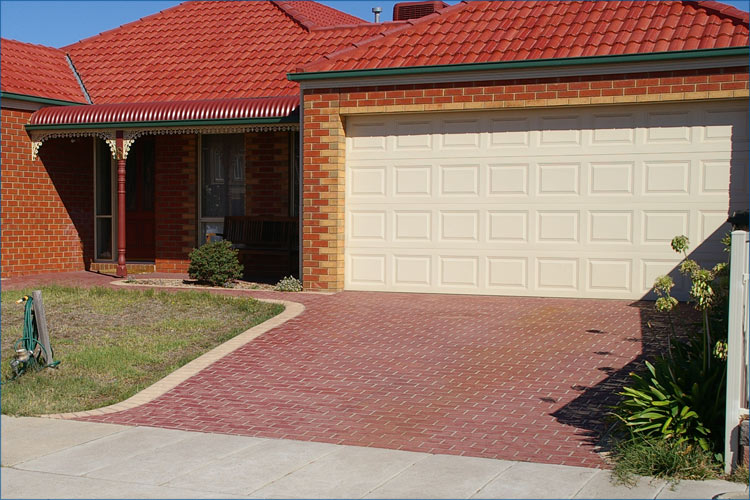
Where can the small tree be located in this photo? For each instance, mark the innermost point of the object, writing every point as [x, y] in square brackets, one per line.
[215, 263]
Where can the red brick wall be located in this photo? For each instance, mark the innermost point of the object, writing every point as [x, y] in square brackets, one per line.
[267, 173]
[176, 198]
[47, 204]
[325, 111]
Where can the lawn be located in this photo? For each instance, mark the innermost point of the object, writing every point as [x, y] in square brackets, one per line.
[114, 343]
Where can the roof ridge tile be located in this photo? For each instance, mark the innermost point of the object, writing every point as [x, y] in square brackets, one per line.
[721, 9]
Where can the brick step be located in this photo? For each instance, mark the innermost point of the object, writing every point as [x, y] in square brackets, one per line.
[133, 268]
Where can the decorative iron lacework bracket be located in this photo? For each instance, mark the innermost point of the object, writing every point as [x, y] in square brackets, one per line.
[38, 137]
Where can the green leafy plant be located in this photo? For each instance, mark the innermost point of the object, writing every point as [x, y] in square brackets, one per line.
[679, 398]
[215, 263]
[662, 459]
[288, 284]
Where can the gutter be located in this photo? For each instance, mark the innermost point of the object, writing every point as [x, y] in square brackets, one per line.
[184, 123]
[78, 79]
[536, 63]
[42, 100]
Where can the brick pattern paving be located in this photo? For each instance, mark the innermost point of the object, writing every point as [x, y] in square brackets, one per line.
[500, 377]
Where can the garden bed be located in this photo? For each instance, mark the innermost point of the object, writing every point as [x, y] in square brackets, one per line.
[114, 343]
[190, 283]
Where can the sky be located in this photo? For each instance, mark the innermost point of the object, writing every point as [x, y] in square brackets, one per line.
[59, 23]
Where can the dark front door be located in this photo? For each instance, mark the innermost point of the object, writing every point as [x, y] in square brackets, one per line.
[140, 224]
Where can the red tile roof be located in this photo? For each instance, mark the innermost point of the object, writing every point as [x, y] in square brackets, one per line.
[36, 70]
[315, 15]
[212, 50]
[481, 31]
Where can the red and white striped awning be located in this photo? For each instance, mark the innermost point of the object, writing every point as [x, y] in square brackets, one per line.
[166, 113]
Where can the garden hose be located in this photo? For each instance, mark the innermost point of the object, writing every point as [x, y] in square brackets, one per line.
[28, 343]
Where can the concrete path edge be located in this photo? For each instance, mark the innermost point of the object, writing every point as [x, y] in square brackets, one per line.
[291, 310]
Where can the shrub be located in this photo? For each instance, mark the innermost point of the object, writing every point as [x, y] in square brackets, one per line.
[662, 459]
[288, 284]
[215, 263]
[680, 397]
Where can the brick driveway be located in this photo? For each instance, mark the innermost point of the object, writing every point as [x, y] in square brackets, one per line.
[500, 377]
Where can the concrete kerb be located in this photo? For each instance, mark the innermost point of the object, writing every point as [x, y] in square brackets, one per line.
[291, 310]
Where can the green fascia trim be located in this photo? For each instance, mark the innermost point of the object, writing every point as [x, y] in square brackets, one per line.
[537, 63]
[42, 100]
[185, 123]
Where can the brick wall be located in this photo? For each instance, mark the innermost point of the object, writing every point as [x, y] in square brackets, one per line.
[47, 204]
[325, 111]
[267, 173]
[175, 201]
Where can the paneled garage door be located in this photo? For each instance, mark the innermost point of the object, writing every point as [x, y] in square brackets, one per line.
[568, 203]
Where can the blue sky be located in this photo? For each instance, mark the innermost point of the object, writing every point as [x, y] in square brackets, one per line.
[59, 23]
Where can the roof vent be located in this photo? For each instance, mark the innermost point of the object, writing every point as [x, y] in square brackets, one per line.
[413, 10]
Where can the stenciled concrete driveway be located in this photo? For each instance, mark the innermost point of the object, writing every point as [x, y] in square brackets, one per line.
[526, 379]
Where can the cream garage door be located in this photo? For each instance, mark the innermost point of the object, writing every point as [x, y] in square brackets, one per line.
[565, 202]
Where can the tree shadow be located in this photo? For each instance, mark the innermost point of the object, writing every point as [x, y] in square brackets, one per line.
[590, 412]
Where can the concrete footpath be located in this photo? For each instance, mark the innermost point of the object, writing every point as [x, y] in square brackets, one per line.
[47, 458]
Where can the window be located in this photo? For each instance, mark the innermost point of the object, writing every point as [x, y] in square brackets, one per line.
[104, 189]
[222, 190]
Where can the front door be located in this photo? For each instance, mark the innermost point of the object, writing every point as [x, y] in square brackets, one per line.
[140, 224]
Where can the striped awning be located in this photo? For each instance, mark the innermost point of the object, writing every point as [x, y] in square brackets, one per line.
[125, 115]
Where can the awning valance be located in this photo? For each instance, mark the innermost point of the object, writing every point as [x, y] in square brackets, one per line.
[132, 120]
[215, 111]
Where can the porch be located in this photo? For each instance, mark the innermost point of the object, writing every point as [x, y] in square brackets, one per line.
[142, 194]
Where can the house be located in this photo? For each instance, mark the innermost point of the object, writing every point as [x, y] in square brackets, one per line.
[512, 148]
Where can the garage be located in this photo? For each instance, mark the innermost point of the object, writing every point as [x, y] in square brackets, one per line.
[561, 202]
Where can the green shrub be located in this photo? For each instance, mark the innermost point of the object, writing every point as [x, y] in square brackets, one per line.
[680, 397]
[662, 459]
[215, 263]
[288, 284]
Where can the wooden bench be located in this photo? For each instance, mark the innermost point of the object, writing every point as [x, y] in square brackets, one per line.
[267, 246]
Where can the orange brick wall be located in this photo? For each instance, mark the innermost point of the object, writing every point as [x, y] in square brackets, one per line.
[267, 173]
[325, 111]
[46, 203]
[175, 201]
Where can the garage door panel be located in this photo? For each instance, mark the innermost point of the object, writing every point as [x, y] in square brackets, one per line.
[507, 179]
[558, 178]
[507, 274]
[410, 181]
[549, 202]
[459, 180]
[609, 275]
[367, 181]
[610, 226]
[366, 270]
[413, 135]
[557, 226]
[507, 226]
[660, 226]
[412, 271]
